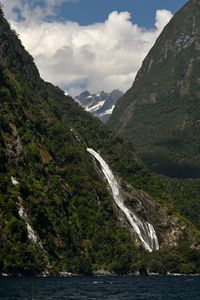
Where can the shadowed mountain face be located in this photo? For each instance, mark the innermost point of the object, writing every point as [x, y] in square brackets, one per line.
[57, 212]
[101, 105]
[160, 113]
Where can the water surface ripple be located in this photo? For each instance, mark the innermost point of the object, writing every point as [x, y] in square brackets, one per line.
[99, 288]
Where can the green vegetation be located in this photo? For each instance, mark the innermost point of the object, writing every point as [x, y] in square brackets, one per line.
[65, 199]
[43, 141]
[160, 112]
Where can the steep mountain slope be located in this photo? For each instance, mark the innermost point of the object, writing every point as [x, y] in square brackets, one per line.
[160, 112]
[100, 105]
[57, 212]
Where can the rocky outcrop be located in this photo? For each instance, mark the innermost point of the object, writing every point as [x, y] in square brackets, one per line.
[13, 144]
[170, 228]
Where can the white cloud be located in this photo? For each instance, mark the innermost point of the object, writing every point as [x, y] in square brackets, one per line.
[99, 56]
[162, 18]
[31, 10]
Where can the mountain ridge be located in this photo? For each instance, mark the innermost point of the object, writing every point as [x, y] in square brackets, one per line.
[159, 113]
[101, 104]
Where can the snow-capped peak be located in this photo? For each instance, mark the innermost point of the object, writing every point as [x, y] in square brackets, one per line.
[101, 104]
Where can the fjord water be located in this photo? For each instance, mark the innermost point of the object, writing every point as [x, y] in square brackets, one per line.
[100, 288]
[144, 230]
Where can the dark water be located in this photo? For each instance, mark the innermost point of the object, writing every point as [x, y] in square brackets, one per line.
[110, 288]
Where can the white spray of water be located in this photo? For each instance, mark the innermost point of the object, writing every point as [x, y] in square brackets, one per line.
[31, 233]
[144, 230]
[76, 136]
[14, 181]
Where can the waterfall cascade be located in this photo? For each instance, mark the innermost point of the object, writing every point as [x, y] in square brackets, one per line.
[31, 233]
[144, 230]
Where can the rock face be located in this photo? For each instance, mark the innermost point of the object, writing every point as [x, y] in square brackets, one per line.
[169, 228]
[101, 105]
[12, 144]
[160, 112]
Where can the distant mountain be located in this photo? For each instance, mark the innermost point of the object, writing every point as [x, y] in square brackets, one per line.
[101, 104]
[160, 113]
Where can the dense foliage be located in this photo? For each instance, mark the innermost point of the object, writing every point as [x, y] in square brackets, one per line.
[43, 141]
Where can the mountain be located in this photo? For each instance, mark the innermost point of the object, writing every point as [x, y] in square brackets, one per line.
[160, 112]
[74, 197]
[101, 104]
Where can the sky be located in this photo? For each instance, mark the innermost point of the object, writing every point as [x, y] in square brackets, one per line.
[89, 44]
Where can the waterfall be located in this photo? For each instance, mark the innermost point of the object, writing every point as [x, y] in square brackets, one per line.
[144, 230]
[31, 233]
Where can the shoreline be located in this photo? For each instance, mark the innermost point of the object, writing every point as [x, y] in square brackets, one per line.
[95, 274]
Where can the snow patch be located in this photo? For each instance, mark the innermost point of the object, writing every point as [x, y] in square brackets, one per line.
[95, 107]
[108, 111]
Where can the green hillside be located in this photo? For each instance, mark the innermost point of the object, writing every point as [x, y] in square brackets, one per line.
[160, 112]
[57, 213]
